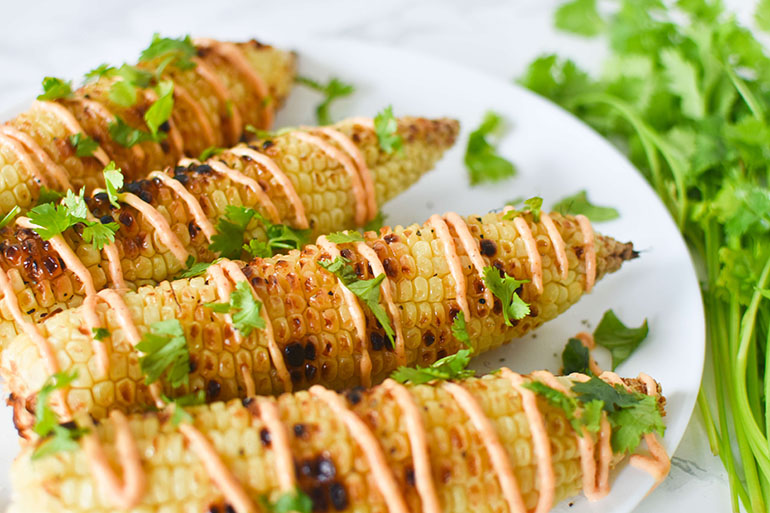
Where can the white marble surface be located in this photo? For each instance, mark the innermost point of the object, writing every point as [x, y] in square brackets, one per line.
[496, 36]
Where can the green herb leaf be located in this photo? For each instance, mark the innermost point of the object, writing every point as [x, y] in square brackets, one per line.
[50, 220]
[533, 205]
[195, 269]
[10, 216]
[125, 135]
[210, 152]
[243, 308]
[100, 234]
[123, 93]
[332, 90]
[683, 82]
[160, 111]
[113, 181]
[618, 338]
[762, 15]
[483, 161]
[179, 414]
[231, 228]
[613, 397]
[76, 203]
[174, 52]
[634, 421]
[367, 291]
[84, 146]
[575, 358]
[55, 88]
[62, 438]
[450, 367]
[386, 127]
[165, 351]
[579, 204]
[45, 417]
[460, 330]
[98, 72]
[296, 501]
[557, 399]
[100, 334]
[505, 289]
[47, 195]
[579, 17]
[376, 223]
[345, 237]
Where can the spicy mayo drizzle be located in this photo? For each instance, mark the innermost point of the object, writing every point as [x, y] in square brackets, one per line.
[57, 172]
[24, 159]
[382, 475]
[204, 124]
[193, 205]
[589, 249]
[441, 230]
[279, 437]
[70, 123]
[658, 463]
[222, 94]
[558, 244]
[236, 176]
[471, 247]
[155, 218]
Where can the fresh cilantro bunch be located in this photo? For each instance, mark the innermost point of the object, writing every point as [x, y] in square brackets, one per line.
[685, 92]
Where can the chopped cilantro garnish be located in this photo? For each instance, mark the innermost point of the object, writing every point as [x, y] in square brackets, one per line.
[160, 111]
[532, 205]
[84, 146]
[575, 358]
[100, 334]
[47, 195]
[165, 351]
[55, 88]
[579, 17]
[113, 181]
[10, 216]
[210, 152]
[367, 291]
[580, 415]
[123, 93]
[481, 158]
[228, 240]
[579, 204]
[56, 437]
[127, 136]
[175, 52]
[618, 338]
[76, 204]
[505, 289]
[50, 220]
[345, 237]
[243, 308]
[460, 330]
[179, 414]
[386, 127]
[453, 366]
[376, 223]
[100, 234]
[295, 501]
[332, 90]
[98, 72]
[195, 269]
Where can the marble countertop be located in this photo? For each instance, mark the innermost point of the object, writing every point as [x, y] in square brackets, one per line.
[496, 36]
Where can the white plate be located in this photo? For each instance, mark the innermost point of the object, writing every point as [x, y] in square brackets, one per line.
[556, 156]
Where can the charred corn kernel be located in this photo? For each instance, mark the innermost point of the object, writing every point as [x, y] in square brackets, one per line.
[327, 353]
[213, 102]
[327, 462]
[46, 286]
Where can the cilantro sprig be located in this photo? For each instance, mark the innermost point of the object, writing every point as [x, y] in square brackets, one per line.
[345, 237]
[170, 52]
[367, 291]
[505, 288]
[386, 128]
[532, 205]
[295, 501]
[165, 352]
[55, 88]
[579, 204]
[332, 90]
[56, 437]
[10, 216]
[482, 159]
[178, 405]
[619, 338]
[83, 145]
[245, 310]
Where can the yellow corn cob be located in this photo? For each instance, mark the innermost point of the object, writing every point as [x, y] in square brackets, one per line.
[311, 326]
[329, 463]
[43, 285]
[199, 119]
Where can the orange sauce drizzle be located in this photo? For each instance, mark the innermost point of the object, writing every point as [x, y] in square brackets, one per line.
[25, 160]
[382, 475]
[124, 495]
[221, 92]
[165, 233]
[453, 261]
[356, 314]
[658, 464]
[204, 124]
[535, 260]
[70, 123]
[415, 429]
[588, 341]
[471, 247]
[92, 322]
[240, 178]
[279, 437]
[558, 244]
[589, 249]
[193, 205]
[387, 295]
[114, 267]
[280, 177]
[108, 117]
[224, 289]
[56, 171]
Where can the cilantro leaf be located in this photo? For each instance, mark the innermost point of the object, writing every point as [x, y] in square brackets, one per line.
[505, 289]
[179, 414]
[55, 88]
[210, 152]
[295, 501]
[100, 234]
[630, 423]
[100, 334]
[76, 203]
[332, 90]
[160, 111]
[50, 220]
[231, 228]
[762, 15]
[376, 223]
[61, 438]
[533, 205]
[113, 181]
[84, 146]
[483, 161]
[165, 351]
[195, 269]
[453, 366]
[386, 127]
[579, 17]
[618, 338]
[243, 308]
[10, 216]
[125, 135]
[575, 358]
[367, 291]
[460, 330]
[46, 195]
[613, 397]
[174, 52]
[345, 237]
[683, 82]
[258, 248]
[123, 93]
[98, 72]
[579, 204]
[557, 399]
[45, 417]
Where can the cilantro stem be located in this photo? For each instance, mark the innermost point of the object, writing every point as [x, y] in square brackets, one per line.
[708, 422]
[745, 93]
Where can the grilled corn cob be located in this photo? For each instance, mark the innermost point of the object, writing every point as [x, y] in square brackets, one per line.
[44, 285]
[327, 460]
[208, 101]
[312, 338]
